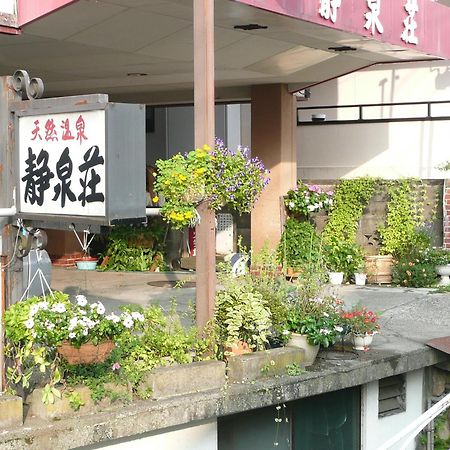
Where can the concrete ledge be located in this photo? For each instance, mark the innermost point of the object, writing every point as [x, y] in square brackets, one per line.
[150, 415]
[11, 411]
[253, 366]
[185, 379]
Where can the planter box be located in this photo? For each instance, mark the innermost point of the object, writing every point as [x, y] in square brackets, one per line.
[61, 407]
[182, 379]
[11, 411]
[257, 365]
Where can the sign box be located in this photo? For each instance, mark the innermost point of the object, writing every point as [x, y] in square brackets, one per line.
[81, 160]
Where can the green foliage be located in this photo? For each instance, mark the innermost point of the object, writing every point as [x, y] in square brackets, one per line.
[221, 176]
[404, 218]
[439, 443]
[341, 256]
[415, 270]
[242, 314]
[131, 248]
[318, 318]
[351, 196]
[75, 400]
[294, 369]
[299, 245]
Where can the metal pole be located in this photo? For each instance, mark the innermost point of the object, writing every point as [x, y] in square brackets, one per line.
[204, 134]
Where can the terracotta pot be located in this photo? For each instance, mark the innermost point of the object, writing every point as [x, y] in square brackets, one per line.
[87, 353]
[301, 341]
[362, 341]
[238, 348]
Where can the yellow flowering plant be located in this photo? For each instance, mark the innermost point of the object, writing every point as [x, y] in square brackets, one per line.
[221, 176]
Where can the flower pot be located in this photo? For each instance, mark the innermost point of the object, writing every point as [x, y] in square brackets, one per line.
[87, 353]
[336, 277]
[360, 279]
[444, 272]
[301, 341]
[238, 348]
[379, 269]
[362, 341]
[86, 263]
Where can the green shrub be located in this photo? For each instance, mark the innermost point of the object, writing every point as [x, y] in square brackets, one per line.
[299, 245]
[414, 271]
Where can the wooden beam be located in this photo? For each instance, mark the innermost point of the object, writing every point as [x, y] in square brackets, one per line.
[204, 134]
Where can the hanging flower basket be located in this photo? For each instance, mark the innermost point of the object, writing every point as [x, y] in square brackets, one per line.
[87, 353]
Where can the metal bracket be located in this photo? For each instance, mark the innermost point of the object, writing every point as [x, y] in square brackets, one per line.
[29, 88]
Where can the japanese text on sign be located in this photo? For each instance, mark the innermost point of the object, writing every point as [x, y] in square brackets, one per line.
[62, 163]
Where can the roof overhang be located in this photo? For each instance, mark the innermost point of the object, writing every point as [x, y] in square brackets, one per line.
[142, 50]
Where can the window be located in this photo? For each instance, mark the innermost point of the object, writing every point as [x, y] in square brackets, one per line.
[391, 395]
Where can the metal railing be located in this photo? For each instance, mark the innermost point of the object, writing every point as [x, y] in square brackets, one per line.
[374, 113]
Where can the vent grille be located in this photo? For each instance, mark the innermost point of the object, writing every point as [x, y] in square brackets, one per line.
[391, 395]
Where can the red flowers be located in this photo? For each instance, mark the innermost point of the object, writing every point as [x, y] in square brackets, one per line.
[360, 320]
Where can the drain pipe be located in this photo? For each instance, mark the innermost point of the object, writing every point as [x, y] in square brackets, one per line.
[12, 210]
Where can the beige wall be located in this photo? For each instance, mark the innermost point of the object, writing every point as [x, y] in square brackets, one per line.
[380, 149]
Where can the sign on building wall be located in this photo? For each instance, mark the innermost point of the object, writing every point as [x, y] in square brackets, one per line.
[81, 162]
[8, 7]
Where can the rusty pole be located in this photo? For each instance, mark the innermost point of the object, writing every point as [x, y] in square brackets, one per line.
[204, 134]
[12, 275]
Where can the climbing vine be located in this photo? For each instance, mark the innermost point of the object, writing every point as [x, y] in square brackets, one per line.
[350, 198]
[404, 217]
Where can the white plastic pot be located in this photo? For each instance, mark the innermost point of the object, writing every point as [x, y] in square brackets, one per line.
[336, 277]
[360, 279]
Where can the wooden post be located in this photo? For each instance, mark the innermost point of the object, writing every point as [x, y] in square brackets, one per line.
[11, 276]
[204, 134]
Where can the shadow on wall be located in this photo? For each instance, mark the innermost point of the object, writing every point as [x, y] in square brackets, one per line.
[442, 80]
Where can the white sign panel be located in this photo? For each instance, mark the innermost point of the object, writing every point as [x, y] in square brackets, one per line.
[62, 163]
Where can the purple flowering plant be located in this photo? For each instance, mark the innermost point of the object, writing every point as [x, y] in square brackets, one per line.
[308, 198]
[220, 176]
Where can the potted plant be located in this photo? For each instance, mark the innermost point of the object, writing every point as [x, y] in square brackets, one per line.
[219, 176]
[39, 329]
[308, 198]
[313, 322]
[342, 259]
[362, 324]
[440, 258]
[242, 319]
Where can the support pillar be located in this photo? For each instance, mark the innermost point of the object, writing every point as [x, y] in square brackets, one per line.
[204, 134]
[11, 270]
[274, 129]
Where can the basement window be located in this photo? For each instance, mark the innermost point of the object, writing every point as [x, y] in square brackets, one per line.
[391, 396]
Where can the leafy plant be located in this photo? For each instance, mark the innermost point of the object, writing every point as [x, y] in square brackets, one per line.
[242, 315]
[308, 198]
[402, 231]
[351, 196]
[221, 176]
[299, 245]
[415, 270]
[343, 257]
[317, 317]
[294, 369]
[131, 248]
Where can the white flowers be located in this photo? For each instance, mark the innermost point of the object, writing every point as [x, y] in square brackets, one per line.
[59, 308]
[127, 320]
[339, 329]
[113, 318]
[324, 331]
[29, 323]
[137, 316]
[100, 308]
[72, 335]
[73, 322]
[81, 300]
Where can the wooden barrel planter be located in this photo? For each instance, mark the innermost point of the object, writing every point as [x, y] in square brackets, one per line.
[379, 269]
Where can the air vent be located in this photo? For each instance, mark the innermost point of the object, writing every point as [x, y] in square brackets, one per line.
[391, 396]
